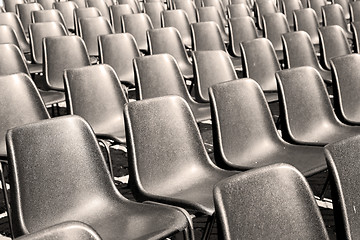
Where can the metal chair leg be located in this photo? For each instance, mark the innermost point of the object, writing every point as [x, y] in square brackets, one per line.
[107, 149]
[208, 227]
[6, 198]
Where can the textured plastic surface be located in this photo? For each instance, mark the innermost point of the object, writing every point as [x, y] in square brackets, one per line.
[8, 35]
[24, 13]
[10, 5]
[153, 10]
[239, 10]
[288, 7]
[333, 14]
[67, 10]
[189, 7]
[241, 29]
[262, 8]
[306, 20]
[47, 4]
[116, 11]
[211, 13]
[50, 15]
[58, 153]
[134, 4]
[220, 7]
[83, 12]
[354, 11]
[102, 6]
[276, 203]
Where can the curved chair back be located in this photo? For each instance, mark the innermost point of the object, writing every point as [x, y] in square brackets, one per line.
[10, 5]
[207, 36]
[260, 62]
[333, 15]
[80, 3]
[262, 8]
[153, 10]
[189, 7]
[210, 13]
[116, 11]
[90, 29]
[275, 25]
[317, 5]
[239, 10]
[119, 50]
[345, 7]
[84, 13]
[219, 7]
[102, 6]
[241, 29]
[12, 60]
[354, 11]
[67, 11]
[305, 20]
[50, 15]
[355, 26]
[47, 4]
[281, 188]
[8, 35]
[288, 7]
[60, 53]
[134, 4]
[24, 12]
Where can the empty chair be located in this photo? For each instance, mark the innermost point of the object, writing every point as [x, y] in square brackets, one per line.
[317, 5]
[245, 136]
[153, 10]
[84, 13]
[165, 79]
[47, 4]
[333, 43]
[294, 213]
[219, 7]
[93, 200]
[102, 6]
[305, 20]
[210, 13]
[179, 20]
[134, 4]
[168, 40]
[308, 116]
[8, 35]
[355, 26]
[354, 11]
[343, 160]
[116, 11]
[24, 12]
[333, 15]
[345, 7]
[90, 29]
[181, 172]
[300, 52]
[87, 96]
[239, 10]
[189, 7]
[80, 3]
[262, 8]
[275, 25]
[241, 29]
[50, 15]
[211, 67]
[67, 11]
[288, 7]
[119, 50]
[59, 54]
[9, 5]
[137, 25]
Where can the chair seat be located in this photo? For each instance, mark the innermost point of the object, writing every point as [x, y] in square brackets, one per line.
[201, 111]
[52, 97]
[237, 62]
[35, 68]
[271, 97]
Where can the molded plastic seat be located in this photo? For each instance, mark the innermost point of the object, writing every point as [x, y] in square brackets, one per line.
[84, 13]
[119, 50]
[168, 40]
[345, 7]
[59, 54]
[305, 20]
[238, 10]
[346, 88]
[262, 8]
[240, 29]
[333, 15]
[343, 162]
[279, 199]
[80, 3]
[10, 5]
[116, 11]
[245, 135]
[47, 4]
[100, 103]
[288, 7]
[93, 200]
[67, 10]
[137, 24]
[134, 4]
[189, 7]
[308, 116]
[356, 30]
[102, 6]
[333, 43]
[299, 51]
[317, 5]
[8, 35]
[24, 13]
[210, 13]
[50, 15]
[354, 11]
[90, 29]
[179, 20]
[159, 75]
[153, 10]
[219, 7]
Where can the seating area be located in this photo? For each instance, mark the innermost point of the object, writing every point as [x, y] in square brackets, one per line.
[179, 119]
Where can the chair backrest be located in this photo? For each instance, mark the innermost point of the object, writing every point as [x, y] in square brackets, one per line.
[10, 5]
[275, 25]
[50, 15]
[8, 35]
[346, 86]
[102, 6]
[240, 29]
[305, 104]
[354, 11]
[54, 172]
[206, 36]
[22, 104]
[218, 6]
[283, 189]
[119, 50]
[134, 4]
[288, 7]
[317, 5]
[153, 10]
[210, 13]
[239, 10]
[178, 19]
[260, 62]
[355, 26]
[12, 20]
[211, 67]
[264, 7]
[305, 20]
[116, 11]
[343, 163]
[67, 11]
[333, 15]
[333, 43]
[12, 60]
[345, 7]
[47, 4]
[59, 54]
[84, 13]
[189, 7]
[137, 24]
[24, 12]
[90, 29]
[89, 89]
[80, 3]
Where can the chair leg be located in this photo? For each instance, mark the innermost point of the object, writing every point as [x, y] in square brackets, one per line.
[107, 149]
[208, 227]
[6, 198]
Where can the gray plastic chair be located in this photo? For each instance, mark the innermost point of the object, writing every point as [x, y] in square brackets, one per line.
[220, 7]
[333, 15]
[288, 7]
[305, 20]
[10, 5]
[134, 4]
[153, 10]
[80, 3]
[50, 15]
[47, 4]
[116, 11]
[317, 5]
[355, 26]
[24, 12]
[102, 6]
[210, 13]
[262, 8]
[238, 10]
[189, 7]
[345, 6]
[67, 10]
[84, 13]
[354, 11]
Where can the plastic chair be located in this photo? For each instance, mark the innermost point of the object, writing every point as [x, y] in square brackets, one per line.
[181, 172]
[68, 230]
[263, 7]
[165, 79]
[288, 7]
[12, 20]
[210, 13]
[317, 5]
[90, 29]
[50, 15]
[80, 3]
[305, 20]
[94, 200]
[280, 200]
[343, 162]
[137, 24]
[240, 105]
[189, 7]
[100, 103]
[84, 13]
[47, 4]
[355, 26]
[153, 10]
[59, 54]
[211, 67]
[238, 10]
[134, 4]
[307, 114]
[333, 43]
[261, 64]
[179, 20]
[299, 51]
[168, 40]
[219, 7]
[8, 35]
[10, 5]
[333, 15]
[67, 10]
[241, 29]
[116, 11]
[24, 12]
[102, 6]
[275, 25]
[345, 6]
[354, 11]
